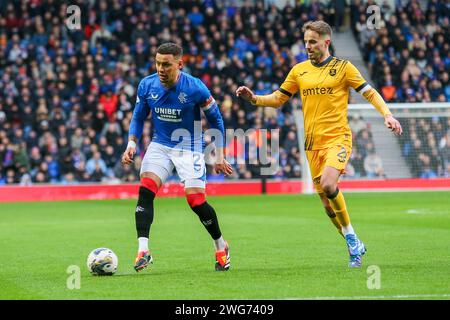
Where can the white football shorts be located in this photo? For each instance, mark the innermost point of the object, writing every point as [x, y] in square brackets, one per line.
[190, 165]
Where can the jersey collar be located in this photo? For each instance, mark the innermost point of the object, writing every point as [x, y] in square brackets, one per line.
[324, 62]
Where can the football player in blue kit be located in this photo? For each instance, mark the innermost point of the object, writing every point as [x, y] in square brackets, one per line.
[175, 100]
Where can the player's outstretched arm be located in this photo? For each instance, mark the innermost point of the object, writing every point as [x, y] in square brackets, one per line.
[377, 101]
[275, 100]
[246, 94]
[357, 82]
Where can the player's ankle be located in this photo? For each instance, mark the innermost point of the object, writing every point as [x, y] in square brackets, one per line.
[143, 244]
[220, 244]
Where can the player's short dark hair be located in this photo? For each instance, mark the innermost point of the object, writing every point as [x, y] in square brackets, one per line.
[170, 48]
[321, 27]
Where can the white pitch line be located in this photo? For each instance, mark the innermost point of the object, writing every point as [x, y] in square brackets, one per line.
[402, 296]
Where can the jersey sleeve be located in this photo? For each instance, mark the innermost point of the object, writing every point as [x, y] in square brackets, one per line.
[354, 78]
[212, 113]
[140, 113]
[290, 85]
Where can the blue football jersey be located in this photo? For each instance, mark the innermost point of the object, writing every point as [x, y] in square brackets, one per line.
[175, 112]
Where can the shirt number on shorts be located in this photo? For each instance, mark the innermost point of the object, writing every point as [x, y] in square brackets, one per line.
[197, 164]
[342, 155]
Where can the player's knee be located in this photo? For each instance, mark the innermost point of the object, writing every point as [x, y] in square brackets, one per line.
[195, 199]
[328, 187]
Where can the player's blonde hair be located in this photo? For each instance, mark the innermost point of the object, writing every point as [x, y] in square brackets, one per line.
[321, 27]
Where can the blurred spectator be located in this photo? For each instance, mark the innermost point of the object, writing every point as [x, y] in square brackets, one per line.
[357, 124]
[373, 165]
[96, 164]
[412, 51]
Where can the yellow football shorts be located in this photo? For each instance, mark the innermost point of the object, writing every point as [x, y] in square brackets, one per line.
[336, 156]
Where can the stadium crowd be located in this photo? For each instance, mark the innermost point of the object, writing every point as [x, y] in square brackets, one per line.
[409, 60]
[67, 94]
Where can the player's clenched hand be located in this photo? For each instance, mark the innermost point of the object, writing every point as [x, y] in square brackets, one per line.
[393, 124]
[223, 167]
[127, 157]
[245, 93]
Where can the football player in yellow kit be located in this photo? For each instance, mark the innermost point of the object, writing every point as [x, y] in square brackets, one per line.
[324, 82]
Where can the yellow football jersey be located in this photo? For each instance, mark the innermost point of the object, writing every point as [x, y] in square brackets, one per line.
[324, 90]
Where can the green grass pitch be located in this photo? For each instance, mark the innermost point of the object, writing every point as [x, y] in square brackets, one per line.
[282, 247]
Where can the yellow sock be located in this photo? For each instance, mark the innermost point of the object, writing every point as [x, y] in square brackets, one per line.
[333, 219]
[340, 209]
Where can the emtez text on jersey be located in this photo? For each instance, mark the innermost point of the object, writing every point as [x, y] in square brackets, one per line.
[311, 91]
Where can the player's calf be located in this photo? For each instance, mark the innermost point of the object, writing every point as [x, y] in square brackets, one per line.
[205, 212]
[144, 208]
[144, 218]
[208, 218]
[330, 213]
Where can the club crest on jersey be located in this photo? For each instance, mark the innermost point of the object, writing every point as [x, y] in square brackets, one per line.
[332, 72]
[154, 96]
[182, 97]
